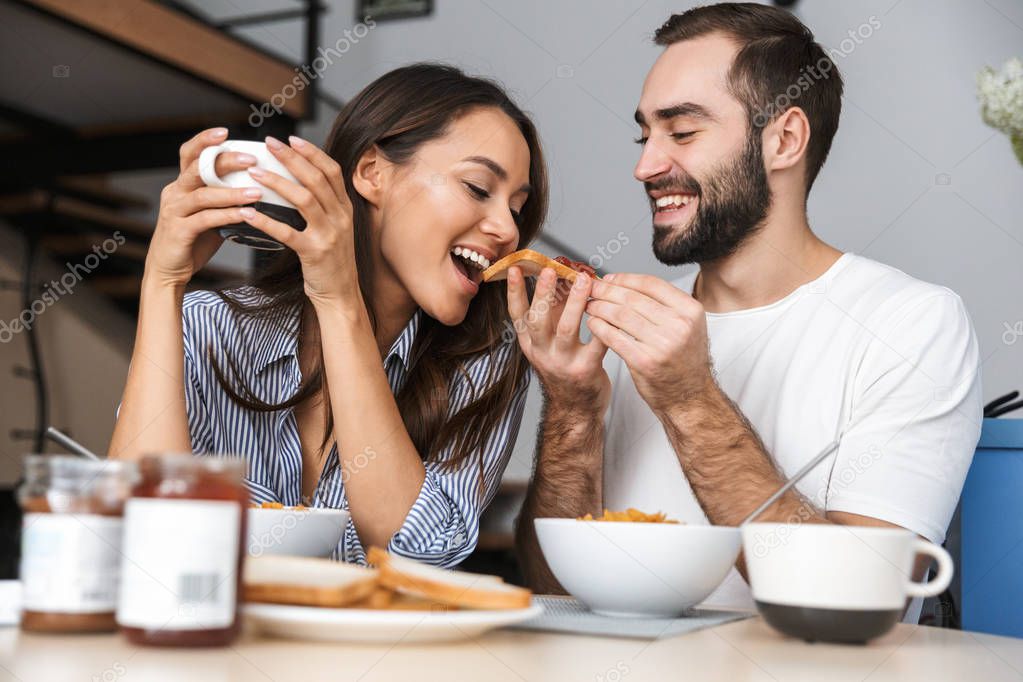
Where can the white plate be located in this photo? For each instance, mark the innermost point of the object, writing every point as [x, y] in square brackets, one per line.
[390, 627]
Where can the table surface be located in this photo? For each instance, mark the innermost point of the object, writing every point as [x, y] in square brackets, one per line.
[745, 650]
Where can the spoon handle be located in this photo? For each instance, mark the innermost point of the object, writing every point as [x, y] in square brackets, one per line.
[792, 481]
[67, 442]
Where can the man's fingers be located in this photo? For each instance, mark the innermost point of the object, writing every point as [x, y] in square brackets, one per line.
[652, 287]
[634, 300]
[616, 340]
[626, 319]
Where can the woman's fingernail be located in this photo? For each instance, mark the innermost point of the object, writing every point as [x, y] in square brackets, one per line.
[247, 212]
[253, 192]
[246, 158]
[581, 280]
[274, 143]
[608, 278]
[296, 141]
[219, 132]
[256, 172]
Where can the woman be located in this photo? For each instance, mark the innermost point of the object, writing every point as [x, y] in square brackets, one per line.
[364, 368]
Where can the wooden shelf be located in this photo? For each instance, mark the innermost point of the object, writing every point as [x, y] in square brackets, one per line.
[170, 37]
[49, 204]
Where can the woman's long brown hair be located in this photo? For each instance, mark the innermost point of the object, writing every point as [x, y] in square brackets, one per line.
[399, 112]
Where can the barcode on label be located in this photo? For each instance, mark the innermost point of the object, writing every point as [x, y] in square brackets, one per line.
[198, 588]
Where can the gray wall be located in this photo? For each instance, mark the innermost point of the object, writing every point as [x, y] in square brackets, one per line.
[915, 179]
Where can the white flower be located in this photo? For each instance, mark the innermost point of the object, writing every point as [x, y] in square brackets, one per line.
[1001, 97]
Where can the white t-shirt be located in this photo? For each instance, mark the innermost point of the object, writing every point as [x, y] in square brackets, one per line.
[863, 344]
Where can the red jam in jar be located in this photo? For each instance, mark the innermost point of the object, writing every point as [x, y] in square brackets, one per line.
[184, 529]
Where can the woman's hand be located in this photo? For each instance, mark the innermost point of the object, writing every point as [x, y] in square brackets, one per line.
[184, 238]
[326, 247]
[572, 372]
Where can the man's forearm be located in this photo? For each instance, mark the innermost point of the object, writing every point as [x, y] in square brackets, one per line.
[567, 481]
[727, 466]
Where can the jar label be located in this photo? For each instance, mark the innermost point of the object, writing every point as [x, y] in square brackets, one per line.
[180, 564]
[70, 562]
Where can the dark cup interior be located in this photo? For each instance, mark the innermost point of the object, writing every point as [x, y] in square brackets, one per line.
[246, 235]
[848, 626]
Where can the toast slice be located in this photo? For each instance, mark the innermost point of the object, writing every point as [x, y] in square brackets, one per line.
[385, 599]
[531, 262]
[380, 598]
[306, 581]
[442, 586]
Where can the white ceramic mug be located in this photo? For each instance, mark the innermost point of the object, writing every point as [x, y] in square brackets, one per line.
[271, 203]
[834, 582]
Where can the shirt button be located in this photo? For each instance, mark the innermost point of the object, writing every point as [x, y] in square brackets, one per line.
[459, 540]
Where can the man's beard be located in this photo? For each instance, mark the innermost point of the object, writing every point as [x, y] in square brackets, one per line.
[732, 204]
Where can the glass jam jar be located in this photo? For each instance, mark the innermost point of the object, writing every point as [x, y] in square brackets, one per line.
[184, 529]
[71, 542]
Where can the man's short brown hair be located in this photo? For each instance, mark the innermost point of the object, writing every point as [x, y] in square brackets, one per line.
[779, 65]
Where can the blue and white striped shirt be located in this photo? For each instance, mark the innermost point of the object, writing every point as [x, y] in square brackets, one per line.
[442, 527]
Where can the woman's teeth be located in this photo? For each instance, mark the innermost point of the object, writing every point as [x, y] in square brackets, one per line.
[673, 201]
[476, 259]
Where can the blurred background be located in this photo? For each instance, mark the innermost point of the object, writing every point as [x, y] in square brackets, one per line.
[97, 95]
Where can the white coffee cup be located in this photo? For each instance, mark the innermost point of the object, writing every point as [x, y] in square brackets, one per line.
[833, 582]
[271, 203]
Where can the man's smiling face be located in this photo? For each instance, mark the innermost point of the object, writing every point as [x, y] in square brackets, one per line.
[701, 164]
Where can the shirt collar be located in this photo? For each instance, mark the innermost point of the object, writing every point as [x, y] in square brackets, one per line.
[402, 346]
[273, 338]
[278, 338]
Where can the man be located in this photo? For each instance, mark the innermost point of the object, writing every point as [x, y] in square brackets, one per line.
[724, 383]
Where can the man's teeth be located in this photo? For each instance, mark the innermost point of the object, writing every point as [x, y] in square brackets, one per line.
[673, 200]
[476, 259]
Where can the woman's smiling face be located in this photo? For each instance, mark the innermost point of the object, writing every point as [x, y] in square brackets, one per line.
[448, 212]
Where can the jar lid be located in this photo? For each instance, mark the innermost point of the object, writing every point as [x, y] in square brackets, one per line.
[71, 466]
[69, 472]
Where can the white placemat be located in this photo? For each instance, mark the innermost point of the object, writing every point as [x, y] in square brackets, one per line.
[565, 614]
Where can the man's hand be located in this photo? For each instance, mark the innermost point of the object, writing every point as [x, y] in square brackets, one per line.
[572, 372]
[659, 331]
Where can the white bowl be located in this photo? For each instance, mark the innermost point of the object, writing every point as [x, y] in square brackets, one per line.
[637, 569]
[313, 531]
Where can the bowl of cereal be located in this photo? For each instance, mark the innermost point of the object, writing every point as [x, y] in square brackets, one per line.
[294, 531]
[632, 564]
